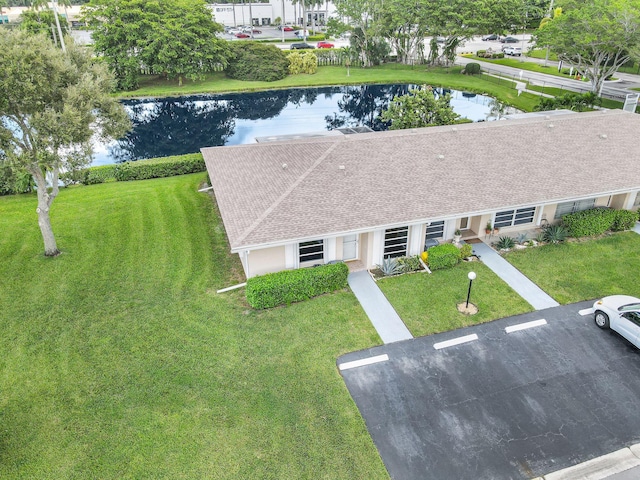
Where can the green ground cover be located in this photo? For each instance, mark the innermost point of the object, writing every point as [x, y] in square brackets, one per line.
[154, 86]
[524, 65]
[583, 270]
[427, 302]
[119, 360]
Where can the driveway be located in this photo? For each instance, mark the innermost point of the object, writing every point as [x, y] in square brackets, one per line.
[500, 405]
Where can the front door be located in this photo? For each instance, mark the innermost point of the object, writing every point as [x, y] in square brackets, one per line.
[350, 247]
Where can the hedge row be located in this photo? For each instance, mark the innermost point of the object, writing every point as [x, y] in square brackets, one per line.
[442, 256]
[289, 286]
[138, 170]
[596, 221]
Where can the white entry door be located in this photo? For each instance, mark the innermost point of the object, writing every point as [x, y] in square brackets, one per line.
[350, 247]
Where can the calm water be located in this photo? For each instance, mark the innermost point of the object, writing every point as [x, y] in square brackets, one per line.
[175, 126]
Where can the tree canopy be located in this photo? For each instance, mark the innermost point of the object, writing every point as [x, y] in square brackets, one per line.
[56, 103]
[595, 36]
[420, 108]
[176, 38]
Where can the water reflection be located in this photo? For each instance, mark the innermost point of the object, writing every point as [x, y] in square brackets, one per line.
[174, 126]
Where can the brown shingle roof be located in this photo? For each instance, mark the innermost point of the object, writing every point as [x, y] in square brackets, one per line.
[408, 176]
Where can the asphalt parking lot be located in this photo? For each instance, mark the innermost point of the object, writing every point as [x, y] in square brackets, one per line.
[503, 405]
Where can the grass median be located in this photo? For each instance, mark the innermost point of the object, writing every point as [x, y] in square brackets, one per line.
[427, 302]
[584, 269]
[119, 359]
[154, 86]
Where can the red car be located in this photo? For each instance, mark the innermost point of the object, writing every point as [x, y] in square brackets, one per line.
[287, 28]
[325, 45]
[242, 35]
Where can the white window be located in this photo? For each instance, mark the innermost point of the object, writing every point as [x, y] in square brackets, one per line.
[312, 251]
[510, 218]
[435, 230]
[395, 242]
[572, 207]
[637, 201]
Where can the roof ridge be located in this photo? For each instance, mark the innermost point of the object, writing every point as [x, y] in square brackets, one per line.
[286, 193]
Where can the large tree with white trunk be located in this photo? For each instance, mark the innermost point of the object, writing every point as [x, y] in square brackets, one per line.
[595, 36]
[51, 107]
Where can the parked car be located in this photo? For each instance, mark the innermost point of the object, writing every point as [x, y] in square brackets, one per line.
[301, 46]
[509, 40]
[440, 39]
[286, 28]
[491, 37]
[620, 313]
[249, 30]
[515, 51]
[325, 45]
[242, 35]
[301, 33]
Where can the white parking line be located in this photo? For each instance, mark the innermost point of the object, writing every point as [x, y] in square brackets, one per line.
[524, 326]
[586, 311]
[364, 361]
[455, 341]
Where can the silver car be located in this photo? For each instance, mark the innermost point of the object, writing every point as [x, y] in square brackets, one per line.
[620, 313]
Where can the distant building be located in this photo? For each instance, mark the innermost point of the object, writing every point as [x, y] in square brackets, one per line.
[259, 14]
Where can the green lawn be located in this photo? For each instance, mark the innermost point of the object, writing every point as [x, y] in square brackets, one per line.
[119, 360]
[584, 270]
[524, 65]
[427, 302]
[154, 86]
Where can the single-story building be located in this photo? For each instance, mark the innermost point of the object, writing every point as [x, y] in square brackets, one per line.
[368, 196]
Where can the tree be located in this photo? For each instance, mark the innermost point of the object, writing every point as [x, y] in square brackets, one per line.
[57, 103]
[420, 108]
[186, 43]
[176, 38]
[595, 36]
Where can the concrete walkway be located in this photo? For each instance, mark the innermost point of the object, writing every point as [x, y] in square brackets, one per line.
[636, 228]
[382, 315]
[516, 280]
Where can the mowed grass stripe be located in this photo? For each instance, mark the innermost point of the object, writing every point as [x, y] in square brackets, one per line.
[112, 370]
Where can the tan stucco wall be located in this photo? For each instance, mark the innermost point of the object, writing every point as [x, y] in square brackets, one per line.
[366, 247]
[619, 201]
[266, 260]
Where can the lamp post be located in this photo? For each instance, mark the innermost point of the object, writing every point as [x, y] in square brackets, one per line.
[472, 277]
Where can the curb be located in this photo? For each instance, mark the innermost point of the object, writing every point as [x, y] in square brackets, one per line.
[599, 468]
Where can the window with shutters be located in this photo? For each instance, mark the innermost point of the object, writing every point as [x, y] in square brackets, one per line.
[572, 207]
[312, 251]
[511, 218]
[395, 242]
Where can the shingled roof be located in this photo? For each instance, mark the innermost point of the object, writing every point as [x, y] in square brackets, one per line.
[305, 189]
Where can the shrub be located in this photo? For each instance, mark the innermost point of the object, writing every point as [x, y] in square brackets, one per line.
[505, 243]
[472, 68]
[555, 234]
[14, 181]
[390, 266]
[466, 250]
[257, 61]
[623, 220]
[442, 256]
[100, 174]
[302, 62]
[594, 221]
[286, 287]
[480, 53]
[522, 238]
[409, 264]
[158, 168]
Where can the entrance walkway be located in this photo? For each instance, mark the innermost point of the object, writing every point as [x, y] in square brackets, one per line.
[382, 315]
[516, 280]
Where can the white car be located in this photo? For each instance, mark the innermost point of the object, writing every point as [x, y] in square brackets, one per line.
[515, 51]
[620, 313]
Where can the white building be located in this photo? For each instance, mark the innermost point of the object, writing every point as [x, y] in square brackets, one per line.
[259, 14]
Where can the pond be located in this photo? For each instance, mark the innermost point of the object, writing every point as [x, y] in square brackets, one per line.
[179, 125]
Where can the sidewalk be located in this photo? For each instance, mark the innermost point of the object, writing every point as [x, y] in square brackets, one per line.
[380, 312]
[512, 276]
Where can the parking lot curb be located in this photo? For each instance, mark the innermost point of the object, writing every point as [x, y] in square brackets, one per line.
[601, 467]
